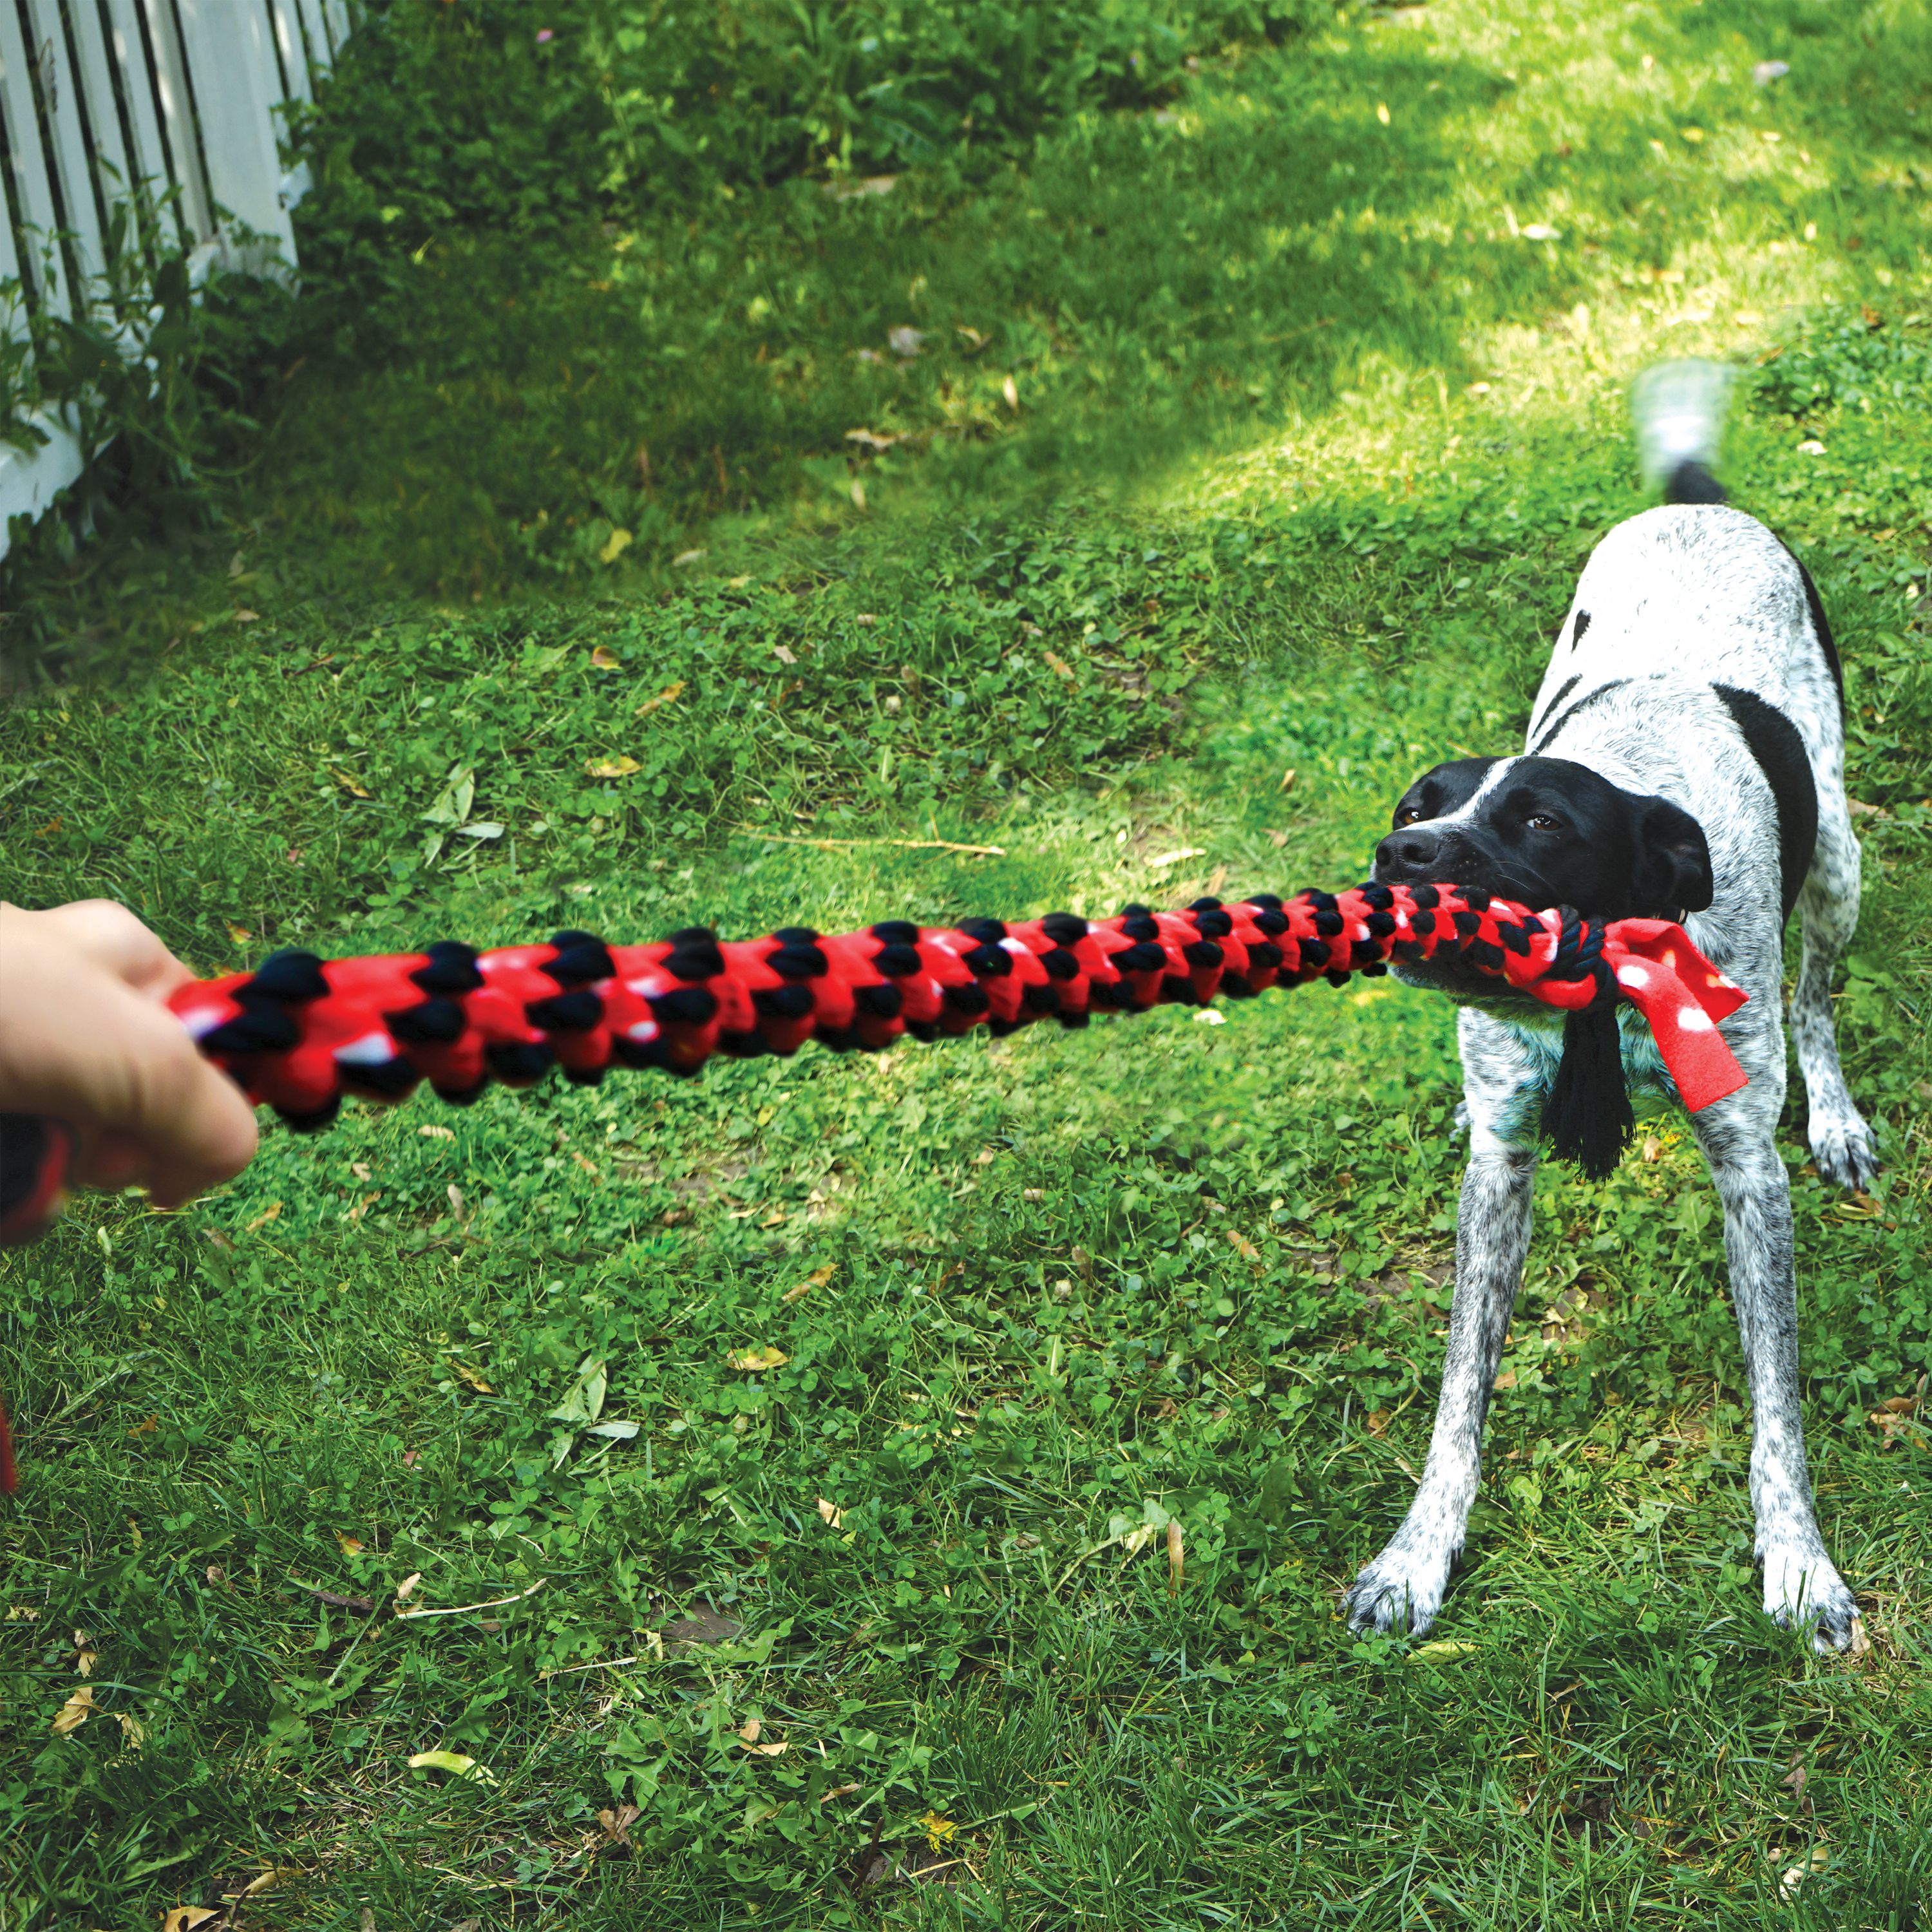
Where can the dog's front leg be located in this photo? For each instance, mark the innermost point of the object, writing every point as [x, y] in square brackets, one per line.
[1403, 1587]
[1802, 1589]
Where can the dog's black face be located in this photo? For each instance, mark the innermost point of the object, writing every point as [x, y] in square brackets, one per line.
[1548, 833]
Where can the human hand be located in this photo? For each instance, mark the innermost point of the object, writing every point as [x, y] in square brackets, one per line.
[85, 1038]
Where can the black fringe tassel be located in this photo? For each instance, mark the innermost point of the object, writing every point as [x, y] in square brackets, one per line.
[1588, 1116]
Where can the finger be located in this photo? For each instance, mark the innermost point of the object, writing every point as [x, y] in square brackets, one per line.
[207, 1134]
[111, 937]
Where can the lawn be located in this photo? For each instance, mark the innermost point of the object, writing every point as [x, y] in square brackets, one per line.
[1006, 1416]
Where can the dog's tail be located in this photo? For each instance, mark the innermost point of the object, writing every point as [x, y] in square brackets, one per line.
[1679, 409]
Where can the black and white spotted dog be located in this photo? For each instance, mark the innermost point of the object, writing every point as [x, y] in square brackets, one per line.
[1685, 757]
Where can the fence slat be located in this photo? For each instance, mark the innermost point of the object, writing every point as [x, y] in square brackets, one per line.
[321, 51]
[74, 166]
[295, 56]
[171, 77]
[236, 92]
[32, 184]
[336, 12]
[147, 165]
[110, 163]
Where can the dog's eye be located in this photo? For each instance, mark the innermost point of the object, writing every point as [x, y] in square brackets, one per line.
[1409, 814]
[1541, 821]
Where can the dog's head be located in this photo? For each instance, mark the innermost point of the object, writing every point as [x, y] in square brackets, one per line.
[1548, 833]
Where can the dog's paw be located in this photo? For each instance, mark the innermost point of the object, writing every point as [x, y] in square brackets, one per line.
[1401, 1590]
[1802, 1593]
[1842, 1150]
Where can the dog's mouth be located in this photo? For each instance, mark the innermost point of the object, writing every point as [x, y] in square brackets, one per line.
[1449, 976]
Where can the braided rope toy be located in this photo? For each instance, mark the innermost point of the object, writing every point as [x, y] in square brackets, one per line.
[300, 1032]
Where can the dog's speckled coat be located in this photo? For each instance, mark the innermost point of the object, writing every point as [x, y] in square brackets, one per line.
[1671, 603]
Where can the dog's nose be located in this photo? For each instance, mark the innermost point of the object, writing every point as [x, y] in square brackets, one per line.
[1403, 855]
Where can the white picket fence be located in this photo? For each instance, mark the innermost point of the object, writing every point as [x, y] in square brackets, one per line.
[102, 101]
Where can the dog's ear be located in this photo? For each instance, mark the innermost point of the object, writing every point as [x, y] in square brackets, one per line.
[1672, 872]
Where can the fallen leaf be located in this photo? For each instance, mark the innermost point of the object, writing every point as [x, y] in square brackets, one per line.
[85, 1655]
[904, 342]
[247, 616]
[1444, 1647]
[1382, 112]
[74, 1712]
[1795, 1876]
[1506, 1380]
[1060, 668]
[1241, 1245]
[1277, 839]
[350, 1547]
[134, 1732]
[1287, 781]
[1653, 1148]
[583, 1401]
[1010, 390]
[1693, 135]
[759, 1360]
[1136, 1539]
[407, 1587]
[1175, 858]
[266, 1881]
[612, 768]
[1379, 1421]
[839, 1791]
[186, 1917]
[783, 656]
[239, 934]
[670, 694]
[432, 1133]
[973, 339]
[817, 1278]
[472, 1379]
[1541, 231]
[614, 547]
[617, 1824]
[866, 439]
[270, 1212]
[361, 1169]
[830, 1513]
[147, 1428]
[348, 783]
[1900, 1405]
[454, 1762]
[1177, 1556]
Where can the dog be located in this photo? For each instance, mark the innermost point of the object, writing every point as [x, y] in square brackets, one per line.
[1684, 759]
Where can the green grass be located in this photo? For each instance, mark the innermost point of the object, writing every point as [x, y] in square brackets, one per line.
[1036, 1299]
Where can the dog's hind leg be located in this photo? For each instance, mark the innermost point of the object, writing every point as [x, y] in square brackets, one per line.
[1827, 913]
[1403, 1588]
[1801, 1588]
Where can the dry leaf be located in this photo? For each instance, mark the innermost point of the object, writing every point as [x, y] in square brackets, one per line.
[74, 1712]
[1136, 1539]
[348, 783]
[406, 1587]
[1060, 668]
[1446, 1647]
[456, 1200]
[830, 1513]
[747, 1734]
[247, 616]
[147, 1428]
[186, 1917]
[759, 1360]
[1177, 1556]
[817, 1278]
[239, 934]
[134, 1732]
[350, 1545]
[1382, 112]
[617, 1824]
[472, 1379]
[1506, 1380]
[433, 1133]
[1011, 390]
[670, 694]
[361, 1169]
[1277, 839]
[1379, 1422]
[614, 547]
[1287, 781]
[839, 1791]
[270, 1212]
[1174, 858]
[612, 768]
[85, 1655]
[1241, 1245]
[783, 656]
[1653, 1148]
[265, 1882]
